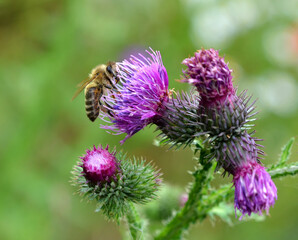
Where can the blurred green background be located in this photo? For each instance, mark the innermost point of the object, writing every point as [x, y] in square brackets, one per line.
[47, 47]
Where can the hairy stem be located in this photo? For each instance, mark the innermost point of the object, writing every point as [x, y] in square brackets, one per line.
[135, 224]
[283, 170]
[188, 214]
[215, 198]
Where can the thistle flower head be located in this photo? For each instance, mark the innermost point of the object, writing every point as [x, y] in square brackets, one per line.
[99, 165]
[210, 75]
[254, 189]
[142, 93]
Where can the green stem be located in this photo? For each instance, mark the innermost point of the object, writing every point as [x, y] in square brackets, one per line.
[135, 224]
[199, 204]
[213, 199]
[188, 214]
[283, 170]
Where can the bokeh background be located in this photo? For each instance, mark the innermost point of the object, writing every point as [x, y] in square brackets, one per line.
[47, 47]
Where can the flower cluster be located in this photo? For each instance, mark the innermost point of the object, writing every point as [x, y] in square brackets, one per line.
[214, 113]
[224, 117]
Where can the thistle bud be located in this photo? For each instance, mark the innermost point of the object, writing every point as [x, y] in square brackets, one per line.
[210, 75]
[99, 165]
[114, 181]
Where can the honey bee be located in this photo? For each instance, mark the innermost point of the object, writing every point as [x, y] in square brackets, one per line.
[100, 79]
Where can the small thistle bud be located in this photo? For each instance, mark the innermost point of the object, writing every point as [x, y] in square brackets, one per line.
[210, 75]
[254, 189]
[142, 94]
[99, 165]
[115, 184]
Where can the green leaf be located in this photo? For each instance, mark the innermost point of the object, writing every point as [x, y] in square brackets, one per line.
[157, 142]
[223, 211]
[253, 217]
[196, 146]
[286, 152]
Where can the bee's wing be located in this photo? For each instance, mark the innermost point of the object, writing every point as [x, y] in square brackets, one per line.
[81, 86]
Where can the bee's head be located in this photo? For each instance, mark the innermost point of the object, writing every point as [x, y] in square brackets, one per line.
[111, 70]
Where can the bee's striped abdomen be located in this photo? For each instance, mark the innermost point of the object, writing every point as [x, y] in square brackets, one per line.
[92, 97]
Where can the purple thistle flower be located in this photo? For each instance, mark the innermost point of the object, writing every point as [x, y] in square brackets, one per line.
[99, 165]
[210, 75]
[142, 94]
[254, 189]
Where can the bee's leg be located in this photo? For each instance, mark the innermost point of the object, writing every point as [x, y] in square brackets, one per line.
[117, 79]
[109, 111]
[100, 90]
[104, 109]
[111, 86]
[99, 97]
[108, 86]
